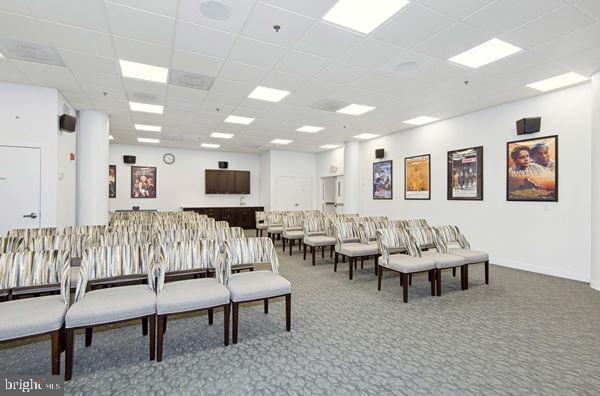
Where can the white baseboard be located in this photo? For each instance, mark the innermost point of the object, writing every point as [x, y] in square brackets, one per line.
[594, 284]
[583, 277]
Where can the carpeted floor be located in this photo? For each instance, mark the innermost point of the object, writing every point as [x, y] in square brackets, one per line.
[522, 334]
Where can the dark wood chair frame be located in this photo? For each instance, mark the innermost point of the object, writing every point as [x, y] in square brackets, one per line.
[464, 275]
[275, 236]
[406, 280]
[314, 248]
[353, 263]
[291, 243]
[288, 312]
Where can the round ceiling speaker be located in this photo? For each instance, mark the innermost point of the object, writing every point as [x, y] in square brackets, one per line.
[215, 10]
[407, 67]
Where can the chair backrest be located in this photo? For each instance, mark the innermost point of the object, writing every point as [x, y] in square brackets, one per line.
[114, 261]
[451, 235]
[32, 232]
[345, 232]
[260, 217]
[176, 235]
[250, 251]
[389, 239]
[11, 244]
[221, 224]
[292, 223]
[368, 230]
[427, 237]
[414, 223]
[274, 219]
[75, 244]
[315, 226]
[27, 269]
[374, 218]
[125, 238]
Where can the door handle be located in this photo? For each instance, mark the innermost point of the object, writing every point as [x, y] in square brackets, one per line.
[295, 204]
[31, 215]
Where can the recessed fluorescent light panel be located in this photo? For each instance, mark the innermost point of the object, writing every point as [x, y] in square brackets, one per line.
[210, 145]
[147, 140]
[149, 128]
[233, 119]
[563, 80]
[281, 141]
[142, 71]
[221, 135]
[362, 15]
[310, 129]
[329, 146]
[355, 109]
[366, 136]
[268, 94]
[146, 108]
[485, 53]
[422, 120]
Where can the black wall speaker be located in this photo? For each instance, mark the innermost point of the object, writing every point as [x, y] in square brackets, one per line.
[129, 159]
[67, 123]
[223, 164]
[528, 125]
[379, 153]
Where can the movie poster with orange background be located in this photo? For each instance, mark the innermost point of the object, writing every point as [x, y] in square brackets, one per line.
[417, 175]
[532, 169]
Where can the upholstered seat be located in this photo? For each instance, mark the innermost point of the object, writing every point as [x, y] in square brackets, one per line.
[261, 226]
[444, 260]
[31, 316]
[319, 240]
[256, 285]
[275, 230]
[409, 264]
[293, 234]
[358, 249]
[190, 295]
[471, 256]
[111, 305]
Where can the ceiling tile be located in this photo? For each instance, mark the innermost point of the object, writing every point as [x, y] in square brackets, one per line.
[538, 73]
[455, 8]
[163, 7]
[437, 73]
[262, 19]
[190, 10]
[371, 53]
[77, 39]
[374, 81]
[196, 63]
[328, 41]
[312, 8]
[233, 88]
[300, 99]
[242, 72]
[571, 43]
[280, 80]
[592, 7]
[586, 62]
[145, 91]
[142, 52]
[48, 75]
[319, 88]
[412, 25]
[22, 28]
[94, 63]
[203, 40]
[16, 7]
[9, 73]
[140, 25]
[513, 64]
[301, 63]
[340, 73]
[256, 53]
[452, 41]
[87, 77]
[87, 14]
[401, 65]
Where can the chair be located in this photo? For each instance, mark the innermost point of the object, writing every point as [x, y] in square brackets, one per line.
[292, 231]
[274, 225]
[32, 317]
[11, 244]
[113, 304]
[257, 285]
[426, 237]
[316, 236]
[348, 244]
[451, 235]
[261, 224]
[392, 240]
[190, 295]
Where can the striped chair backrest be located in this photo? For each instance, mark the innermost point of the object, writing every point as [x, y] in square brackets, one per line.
[427, 237]
[260, 217]
[26, 269]
[293, 223]
[11, 244]
[250, 251]
[314, 226]
[125, 238]
[374, 218]
[175, 235]
[393, 239]
[451, 235]
[414, 223]
[345, 232]
[75, 244]
[221, 224]
[225, 234]
[274, 219]
[368, 230]
[27, 233]
[189, 255]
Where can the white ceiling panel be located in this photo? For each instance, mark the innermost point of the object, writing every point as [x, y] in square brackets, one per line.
[142, 52]
[203, 40]
[437, 73]
[408, 63]
[538, 73]
[87, 77]
[319, 88]
[10, 73]
[77, 39]
[233, 88]
[571, 43]
[452, 41]
[371, 53]
[163, 7]
[48, 75]
[513, 64]
[191, 11]
[303, 64]
[94, 63]
[341, 73]
[313, 8]
[455, 8]
[586, 62]
[242, 72]
[145, 91]
[196, 63]
[16, 7]
[280, 80]
[592, 7]
[374, 81]
[412, 25]
[328, 41]
[88, 14]
[22, 28]
[140, 25]
[257, 53]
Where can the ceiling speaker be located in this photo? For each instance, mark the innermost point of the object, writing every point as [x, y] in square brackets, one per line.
[129, 159]
[67, 123]
[215, 10]
[223, 164]
[379, 153]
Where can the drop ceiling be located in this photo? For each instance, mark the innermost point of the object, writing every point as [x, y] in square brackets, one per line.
[401, 68]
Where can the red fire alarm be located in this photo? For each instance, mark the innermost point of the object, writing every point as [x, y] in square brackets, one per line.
[72, 156]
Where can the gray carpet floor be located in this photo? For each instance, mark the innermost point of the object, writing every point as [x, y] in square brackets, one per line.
[523, 334]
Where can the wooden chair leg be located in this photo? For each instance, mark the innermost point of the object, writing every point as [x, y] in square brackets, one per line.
[63, 338]
[236, 307]
[283, 242]
[88, 336]
[362, 263]
[401, 280]
[376, 265]
[69, 348]
[343, 259]
[288, 312]
[487, 272]
[331, 251]
[152, 337]
[266, 303]
[291, 245]
[312, 252]
[454, 271]
[55, 341]
[161, 321]
[466, 277]
[322, 251]
[379, 275]
[305, 251]
[226, 315]
[351, 264]
[210, 316]
[431, 274]
[405, 287]
[335, 262]
[164, 327]
[257, 232]
[145, 326]
[299, 244]
[438, 281]
[410, 279]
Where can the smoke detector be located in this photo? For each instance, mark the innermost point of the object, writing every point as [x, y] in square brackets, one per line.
[215, 10]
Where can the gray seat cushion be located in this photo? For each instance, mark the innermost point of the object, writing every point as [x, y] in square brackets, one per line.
[408, 264]
[261, 226]
[275, 230]
[191, 294]
[444, 260]
[30, 316]
[358, 249]
[247, 286]
[74, 278]
[472, 256]
[111, 305]
[319, 240]
[295, 234]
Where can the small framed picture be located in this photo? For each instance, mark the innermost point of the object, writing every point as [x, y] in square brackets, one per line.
[417, 177]
[465, 174]
[382, 180]
[143, 182]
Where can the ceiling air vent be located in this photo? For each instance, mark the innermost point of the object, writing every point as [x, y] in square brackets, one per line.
[143, 97]
[30, 52]
[329, 105]
[191, 80]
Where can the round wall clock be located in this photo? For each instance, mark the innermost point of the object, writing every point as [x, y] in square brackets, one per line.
[169, 158]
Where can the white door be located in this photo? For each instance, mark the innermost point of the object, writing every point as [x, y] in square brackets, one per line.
[293, 193]
[339, 194]
[328, 194]
[19, 188]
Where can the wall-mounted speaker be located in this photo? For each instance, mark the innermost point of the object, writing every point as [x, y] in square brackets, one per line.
[129, 159]
[528, 125]
[223, 164]
[67, 123]
[379, 153]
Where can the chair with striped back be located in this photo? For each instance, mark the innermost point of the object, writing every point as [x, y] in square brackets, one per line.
[425, 238]
[190, 295]
[393, 240]
[274, 225]
[32, 317]
[457, 244]
[11, 244]
[112, 304]
[261, 222]
[256, 285]
[292, 230]
[27, 233]
[348, 244]
[316, 235]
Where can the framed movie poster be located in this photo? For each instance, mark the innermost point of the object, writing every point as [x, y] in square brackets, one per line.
[465, 174]
[417, 177]
[532, 169]
[382, 180]
[112, 181]
[143, 182]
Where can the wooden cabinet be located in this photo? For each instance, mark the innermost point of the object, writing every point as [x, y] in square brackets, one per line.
[243, 216]
[227, 182]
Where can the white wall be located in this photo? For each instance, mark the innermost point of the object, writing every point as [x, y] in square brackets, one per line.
[265, 180]
[550, 238]
[330, 157]
[182, 183]
[295, 164]
[66, 211]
